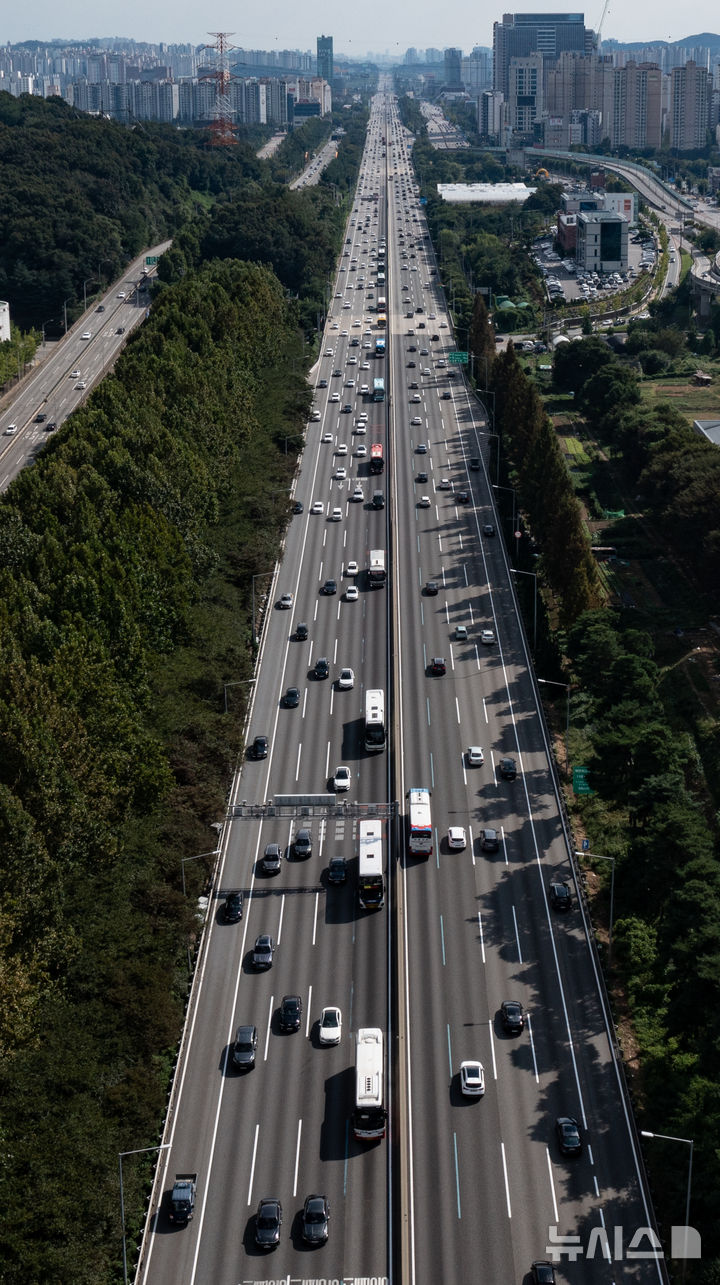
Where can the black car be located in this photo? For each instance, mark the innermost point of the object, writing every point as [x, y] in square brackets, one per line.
[336, 373]
[315, 1218]
[489, 840]
[301, 631]
[543, 1273]
[560, 896]
[431, 589]
[268, 1221]
[298, 506]
[291, 699]
[272, 859]
[337, 870]
[303, 843]
[347, 409]
[474, 461]
[488, 528]
[434, 338]
[120, 330]
[243, 1054]
[51, 426]
[329, 587]
[412, 348]
[322, 668]
[508, 769]
[322, 383]
[422, 476]
[438, 666]
[233, 907]
[40, 417]
[568, 1135]
[259, 747]
[411, 365]
[463, 497]
[513, 1018]
[263, 951]
[290, 1013]
[446, 395]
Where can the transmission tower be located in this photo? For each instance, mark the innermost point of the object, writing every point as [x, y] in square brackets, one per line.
[221, 125]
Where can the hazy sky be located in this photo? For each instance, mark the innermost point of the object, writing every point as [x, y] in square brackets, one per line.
[359, 27]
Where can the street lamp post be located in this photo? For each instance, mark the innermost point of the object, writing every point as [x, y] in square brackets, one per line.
[511, 489]
[85, 286]
[197, 858]
[163, 1146]
[689, 1142]
[238, 682]
[258, 576]
[517, 572]
[44, 324]
[598, 856]
[64, 308]
[552, 682]
[497, 450]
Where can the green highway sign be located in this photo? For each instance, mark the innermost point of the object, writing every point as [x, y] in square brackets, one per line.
[580, 781]
[458, 359]
[151, 259]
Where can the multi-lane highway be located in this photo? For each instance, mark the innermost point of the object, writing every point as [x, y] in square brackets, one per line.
[461, 1188]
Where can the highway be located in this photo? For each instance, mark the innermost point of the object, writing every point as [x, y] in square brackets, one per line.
[461, 1188]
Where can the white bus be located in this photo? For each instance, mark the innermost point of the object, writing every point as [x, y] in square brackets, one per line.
[371, 879]
[420, 833]
[370, 1115]
[375, 733]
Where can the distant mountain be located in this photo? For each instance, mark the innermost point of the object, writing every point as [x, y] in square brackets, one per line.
[707, 39]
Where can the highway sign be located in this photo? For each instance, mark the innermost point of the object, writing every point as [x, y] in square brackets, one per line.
[150, 260]
[458, 358]
[580, 781]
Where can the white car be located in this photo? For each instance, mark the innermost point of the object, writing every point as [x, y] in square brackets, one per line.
[487, 636]
[341, 779]
[121, 294]
[336, 515]
[327, 437]
[351, 593]
[74, 374]
[424, 502]
[341, 448]
[365, 365]
[340, 474]
[334, 397]
[81, 384]
[443, 484]
[86, 335]
[361, 450]
[457, 838]
[317, 507]
[415, 420]
[416, 397]
[474, 755]
[11, 430]
[314, 416]
[286, 601]
[472, 1079]
[351, 568]
[358, 495]
[349, 383]
[330, 1030]
[346, 680]
[352, 361]
[329, 352]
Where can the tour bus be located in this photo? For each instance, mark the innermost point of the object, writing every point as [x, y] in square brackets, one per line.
[370, 1115]
[420, 833]
[371, 882]
[375, 733]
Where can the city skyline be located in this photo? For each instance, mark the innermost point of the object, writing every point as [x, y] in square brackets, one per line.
[357, 32]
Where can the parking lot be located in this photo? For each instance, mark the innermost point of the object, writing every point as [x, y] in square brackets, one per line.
[564, 281]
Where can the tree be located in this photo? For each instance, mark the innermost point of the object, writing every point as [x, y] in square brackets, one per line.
[574, 363]
[482, 339]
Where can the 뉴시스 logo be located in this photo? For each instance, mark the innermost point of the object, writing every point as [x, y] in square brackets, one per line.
[643, 1243]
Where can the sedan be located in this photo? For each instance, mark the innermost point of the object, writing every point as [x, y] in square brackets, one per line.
[560, 896]
[317, 507]
[508, 769]
[268, 1221]
[346, 680]
[290, 1013]
[342, 448]
[361, 450]
[263, 951]
[351, 593]
[40, 418]
[351, 568]
[337, 870]
[86, 335]
[315, 1217]
[474, 756]
[11, 430]
[330, 1031]
[334, 397]
[272, 859]
[489, 840]
[438, 666]
[291, 699]
[243, 1054]
[424, 502]
[329, 587]
[233, 908]
[472, 1079]
[457, 838]
[431, 589]
[342, 779]
[416, 421]
[81, 385]
[416, 397]
[259, 748]
[443, 484]
[286, 601]
[568, 1135]
[512, 1016]
[358, 495]
[74, 374]
[347, 409]
[341, 473]
[487, 636]
[488, 528]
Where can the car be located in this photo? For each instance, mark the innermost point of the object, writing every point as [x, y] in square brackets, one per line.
[360, 427]
[424, 502]
[329, 587]
[330, 1029]
[443, 484]
[351, 593]
[259, 748]
[461, 633]
[411, 365]
[487, 637]
[317, 506]
[342, 778]
[314, 416]
[334, 397]
[86, 335]
[322, 383]
[40, 417]
[416, 397]
[243, 1054]
[301, 631]
[489, 840]
[336, 515]
[512, 1016]
[121, 294]
[322, 667]
[361, 450]
[290, 1013]
[351, 568]
[315, 1216]
[298, 507]
[421, 477]
[432, 588]
[412, 347]
[341, 448]
[341, 472]
[100, 307]
[291, 699]
[349, 383]
[438, 666]
[302, 845]
[457, 838]
[560, 895]
[463, 497]
[233, 907]
[74, 374]
[81, 385]
[472, 1079]
[415, 421]
[263, 951]
[474, 756]
[543, 1273]
[446, 395]
[120, 330]
[268, 1221]
[346, 680]
[347, 409]
[286, 601]
[568, 1135]
[507, 768]
[337, 870]
[51, 426]
[272, 859]
[488, 529]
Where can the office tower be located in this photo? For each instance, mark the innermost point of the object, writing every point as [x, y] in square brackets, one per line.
[549, 34]
[689, 106]
[491, 114]
[325, 58]
[452, 60]
[525, 92]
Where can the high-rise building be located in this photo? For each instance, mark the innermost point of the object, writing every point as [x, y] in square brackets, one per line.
[549, 34]
[525, 92]
[491, 114]
[637, 106]
[325, 58]
[689, 106]
[452, 62]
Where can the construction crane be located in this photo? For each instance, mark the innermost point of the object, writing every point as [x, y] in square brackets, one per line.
[603, 16]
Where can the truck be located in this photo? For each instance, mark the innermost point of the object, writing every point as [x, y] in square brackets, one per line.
[182, 1199]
